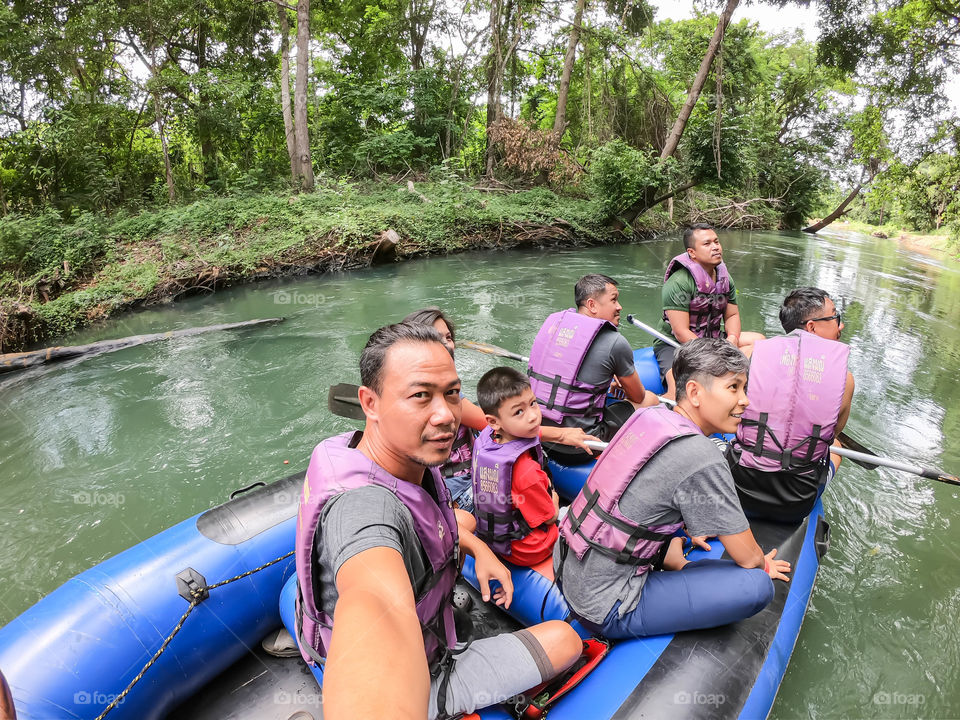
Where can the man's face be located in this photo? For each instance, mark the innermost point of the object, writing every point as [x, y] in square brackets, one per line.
[706, 248]
[826, 322]
[441, 327]
[722, 403]
[606, 305]
[418, 409]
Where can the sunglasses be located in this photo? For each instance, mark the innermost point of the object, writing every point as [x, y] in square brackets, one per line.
[838, 316]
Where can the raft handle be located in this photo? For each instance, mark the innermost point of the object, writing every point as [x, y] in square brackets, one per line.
[248, 488]
[822, 538]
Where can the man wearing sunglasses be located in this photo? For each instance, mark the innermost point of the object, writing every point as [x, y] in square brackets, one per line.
[800, 393]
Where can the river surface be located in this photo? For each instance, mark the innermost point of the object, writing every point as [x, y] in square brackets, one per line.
[98, 455]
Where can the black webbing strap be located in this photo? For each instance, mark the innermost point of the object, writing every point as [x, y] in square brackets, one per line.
[450, 470]
[636, 532]
[786, 456]
[512, 517]
[298, 627]
[593, 391]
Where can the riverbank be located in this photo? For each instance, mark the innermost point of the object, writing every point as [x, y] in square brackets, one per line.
[57, 277]
[938, 243]
[60, 277]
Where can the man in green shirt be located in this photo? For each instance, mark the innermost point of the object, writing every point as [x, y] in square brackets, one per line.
[698, 297]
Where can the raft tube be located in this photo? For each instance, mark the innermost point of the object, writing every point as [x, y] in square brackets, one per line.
[74, 652]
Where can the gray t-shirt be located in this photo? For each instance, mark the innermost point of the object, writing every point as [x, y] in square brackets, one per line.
[609, 355]
[359, 520]
[688, 480]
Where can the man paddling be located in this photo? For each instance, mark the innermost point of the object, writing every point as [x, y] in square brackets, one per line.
[618, 563]
[699, 298]
[377, 548]
[576, 355]
[800, 397]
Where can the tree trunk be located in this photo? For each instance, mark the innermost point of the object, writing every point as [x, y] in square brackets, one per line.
[673, 139]
[207, 152]
[494, 77]
[560, 121]
[839, 211]
[167, 167]
[421, 17]
[300, 95]
[285, 95]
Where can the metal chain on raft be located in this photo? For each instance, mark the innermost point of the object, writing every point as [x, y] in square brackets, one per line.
[197, 593]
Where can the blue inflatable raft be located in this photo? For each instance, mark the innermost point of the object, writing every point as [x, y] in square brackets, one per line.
[74, 652]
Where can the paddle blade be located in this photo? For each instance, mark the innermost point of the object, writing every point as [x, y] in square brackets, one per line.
[342, 400]
[490, 350]
[849, 442]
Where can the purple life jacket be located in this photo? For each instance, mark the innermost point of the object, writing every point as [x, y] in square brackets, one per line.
[336, 466]
[555, 359]
[458, 464]
[710, 302]
[594, 520]
[796, 392]
[498, 520]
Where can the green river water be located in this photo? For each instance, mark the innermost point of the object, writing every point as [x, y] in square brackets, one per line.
[98, 455]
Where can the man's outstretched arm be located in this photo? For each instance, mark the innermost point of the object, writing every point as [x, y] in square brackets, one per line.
[376, 665]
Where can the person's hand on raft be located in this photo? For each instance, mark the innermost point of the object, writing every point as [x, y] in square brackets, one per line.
[776, 568]
[699, 541]
[489, 568]
[573, 436]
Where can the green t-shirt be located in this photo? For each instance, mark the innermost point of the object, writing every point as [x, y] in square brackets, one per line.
[676, 294]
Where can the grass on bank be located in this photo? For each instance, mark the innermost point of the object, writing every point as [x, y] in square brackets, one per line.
[943, 240]
[57, 276]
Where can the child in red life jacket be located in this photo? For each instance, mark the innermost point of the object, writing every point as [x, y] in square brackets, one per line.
[515, 505]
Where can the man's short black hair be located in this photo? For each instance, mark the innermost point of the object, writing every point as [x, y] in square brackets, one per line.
[375, 351]
[499, 385]
[688, 233]
[591, 286]
[703, 359]
[801, 305]
[428, 316]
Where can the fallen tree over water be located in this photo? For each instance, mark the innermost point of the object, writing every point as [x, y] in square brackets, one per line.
[11, 362]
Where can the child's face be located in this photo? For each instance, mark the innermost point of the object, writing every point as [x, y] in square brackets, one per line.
[518, 417]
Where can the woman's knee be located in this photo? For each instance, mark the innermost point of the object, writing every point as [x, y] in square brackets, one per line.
[763, 589]
[559, 641]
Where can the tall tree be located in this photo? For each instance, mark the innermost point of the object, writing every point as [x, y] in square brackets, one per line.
[673, 139]
[560, 121]
[288, 130]
[300, 96]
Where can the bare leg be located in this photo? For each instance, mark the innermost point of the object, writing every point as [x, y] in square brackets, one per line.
[559, 641]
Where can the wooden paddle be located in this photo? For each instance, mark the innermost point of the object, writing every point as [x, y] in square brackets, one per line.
[491, 350]
[342, 400]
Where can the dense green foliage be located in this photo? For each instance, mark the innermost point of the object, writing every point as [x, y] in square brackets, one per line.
[128, 123]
